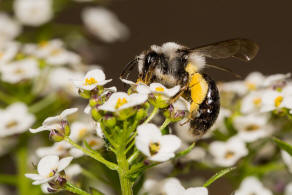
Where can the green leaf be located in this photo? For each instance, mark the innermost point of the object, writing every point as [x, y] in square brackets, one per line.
[186, 151]
[218, 175]
[283, 145]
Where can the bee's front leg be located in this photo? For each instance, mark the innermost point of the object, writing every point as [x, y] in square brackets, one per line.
[184, 87]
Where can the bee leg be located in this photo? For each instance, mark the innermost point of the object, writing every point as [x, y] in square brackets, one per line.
[128, 68]
[185, 84]
[149, 73]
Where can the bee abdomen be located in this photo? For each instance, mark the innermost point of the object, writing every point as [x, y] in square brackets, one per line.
[208, 110]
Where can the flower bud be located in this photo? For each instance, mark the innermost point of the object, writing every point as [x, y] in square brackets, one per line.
[56, 136]
[141, 113]
[158, 101]
[84, 93]
[95, 100]
[173, 114]
[109, 121]
[65, 127]
[126, 113]
[96, 114]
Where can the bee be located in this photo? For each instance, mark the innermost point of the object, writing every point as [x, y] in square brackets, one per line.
[172, 64]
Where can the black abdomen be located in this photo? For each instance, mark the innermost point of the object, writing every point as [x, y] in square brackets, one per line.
[208, 110]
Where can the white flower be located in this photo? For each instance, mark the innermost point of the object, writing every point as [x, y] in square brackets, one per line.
[61, 79]
[237, 87]
[15, 119]
[33, 13]
[54, 122]
[171, 186]
[17, 71]
[80, 129]
[288, 189]
[252, 127]
[275, 79]
[121, 100]
[273, 100]
[287, 158]
[92, 79]
[61, 148]
[228, 153]
[9, 28]
[196, 154]
[94, 142]
[8, 51]
[73, 170]
[99, 130]
[254, 81]
[252, 102]
[251, 185]
[153, 144]
[48, 169]
[104, 24]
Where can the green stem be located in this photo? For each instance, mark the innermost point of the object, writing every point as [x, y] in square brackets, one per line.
[6, 98]
[94, 155]
[43, 103]
[165, 123]
[133, 157]
[23, 182]
[8, 179]
[126, 184]
[153, 113]
[74, 189]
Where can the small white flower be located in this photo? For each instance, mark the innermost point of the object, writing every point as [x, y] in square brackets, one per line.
[48, 169]
[92, 79]
[252, 127]
[273, 100]
[54, 122]
[73, 170]
[228, 153]
[252, 102]
[104, 24]
[237, 87]
[33, 13]
[254, 81]
[153, 144]
[287, 158]
[8, 51]
[251, 185]
[95, 142]
[275, 79]
[9, 28]
[121, 100]
[17, 71]
[288, 189]
[15, 119]
[79, 130]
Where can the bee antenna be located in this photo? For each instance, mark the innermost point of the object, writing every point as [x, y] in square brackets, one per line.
[224, 69]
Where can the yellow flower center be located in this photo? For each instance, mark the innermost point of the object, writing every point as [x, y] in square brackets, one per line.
[159, 89]
[229, 154]
[51, 174]
[11, 124]
[82, 132]
[278, 101]
[257, 101]
[90, 81]
[55, 52]
[19, 71]
[252, 127]
[251, 86]
[1, 55]
[120, 102]
[60, 148]
[92, 143]
[154, 148]
[43, 44]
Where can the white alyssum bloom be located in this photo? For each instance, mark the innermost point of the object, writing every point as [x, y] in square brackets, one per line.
[273, 100]
[9, 28]
[287, 158]
[61, 79]
[8, 50]
[252, 102]
[228, 153]
[95, 142]
[91, 80]
[99, 130]
[104, 24]
[17, 71]
[154, 145]
[251, 185]
[275, 79]
[171, 186]
[15, 119]
[288, 189]
[61, 148]
[121, 100]
[54, 122]
[79, 130]
[33, 13]
[73, 170]
[253, 127]
[48, 169]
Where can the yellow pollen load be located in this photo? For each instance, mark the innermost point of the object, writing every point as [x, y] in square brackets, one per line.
[11, 124]
[257, 101]
[120, 102]
[199, 88]
[82, 132]
[159, 89]
[251, 86]
[90, 81]
[191, 69]
[154, 148]
[229, 154]
[252, 127]
[278, 101]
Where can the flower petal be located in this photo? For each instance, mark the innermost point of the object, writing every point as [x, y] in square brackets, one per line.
[63, 163]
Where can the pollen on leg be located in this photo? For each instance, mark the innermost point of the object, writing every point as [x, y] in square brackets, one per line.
[278, 101]
[120, 102]
[90, 81]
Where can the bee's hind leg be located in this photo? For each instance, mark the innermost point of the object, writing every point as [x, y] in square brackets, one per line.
[184, 87]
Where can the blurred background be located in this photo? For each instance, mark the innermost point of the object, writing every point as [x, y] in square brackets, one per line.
[189, 22]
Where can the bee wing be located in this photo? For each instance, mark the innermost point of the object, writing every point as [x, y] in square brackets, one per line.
[242, 49]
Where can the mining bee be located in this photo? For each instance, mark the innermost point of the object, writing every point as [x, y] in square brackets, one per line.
[173, 64]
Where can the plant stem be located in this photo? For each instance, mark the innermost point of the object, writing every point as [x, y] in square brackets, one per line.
[165, 123]
[126, 184]
[153, 113]
[8, 179]
[23, 182]
[74, 189]
[6, 98]
[93, 154]
[43, 103]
